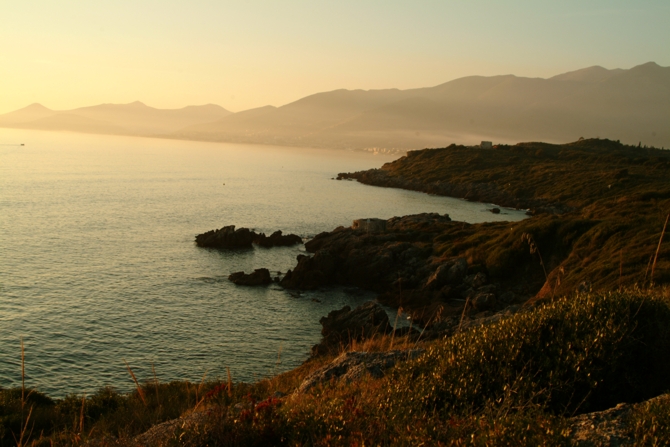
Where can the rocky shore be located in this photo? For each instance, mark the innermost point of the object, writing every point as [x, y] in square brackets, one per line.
[398, 260]
[229, 238]
[472, 191]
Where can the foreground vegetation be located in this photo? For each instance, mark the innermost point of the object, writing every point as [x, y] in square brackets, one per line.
[514, 382]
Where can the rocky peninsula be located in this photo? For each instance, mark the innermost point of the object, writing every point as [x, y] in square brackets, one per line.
[597, 208]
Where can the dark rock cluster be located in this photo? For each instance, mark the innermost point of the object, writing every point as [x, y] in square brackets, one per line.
[229, 238]
[226, 237]
[259, 277]
[399, 264]
[277, 239]
[341, 327]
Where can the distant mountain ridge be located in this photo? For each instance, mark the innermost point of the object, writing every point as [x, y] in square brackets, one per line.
[135, 118]
[631, 105]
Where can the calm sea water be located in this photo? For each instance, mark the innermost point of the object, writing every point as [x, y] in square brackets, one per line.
[98, 264]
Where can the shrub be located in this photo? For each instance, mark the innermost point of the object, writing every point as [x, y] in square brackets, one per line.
[650, 422]
[573, 355]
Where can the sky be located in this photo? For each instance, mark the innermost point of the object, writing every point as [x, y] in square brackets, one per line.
[243, 54]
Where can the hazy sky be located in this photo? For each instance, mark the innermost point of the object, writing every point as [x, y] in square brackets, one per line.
[244, 54]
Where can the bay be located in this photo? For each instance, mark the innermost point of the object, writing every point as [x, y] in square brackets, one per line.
[98, 264]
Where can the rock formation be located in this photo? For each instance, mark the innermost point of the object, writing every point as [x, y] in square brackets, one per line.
[226, 237]
[277, 239]
[354, 365]
[343, 326]
[399, 263]
[229, 238]
[259, 277]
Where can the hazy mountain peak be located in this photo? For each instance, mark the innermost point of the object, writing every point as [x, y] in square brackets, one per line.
[32, 112]
[595, 73]
[35, 107]
[649, 68]
[648, 65]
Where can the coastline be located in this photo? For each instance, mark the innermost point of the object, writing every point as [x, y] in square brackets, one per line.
[562, 256]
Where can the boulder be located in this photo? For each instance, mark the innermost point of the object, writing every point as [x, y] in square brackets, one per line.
[354, 365]
[312, 271]
[483, 301]
[277, 239]
[457, 271]
[226, 237]
[476, 281]
[343, 326]
[259, 277]
[440, 278]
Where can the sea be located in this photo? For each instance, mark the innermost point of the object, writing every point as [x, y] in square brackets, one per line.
[99, 270]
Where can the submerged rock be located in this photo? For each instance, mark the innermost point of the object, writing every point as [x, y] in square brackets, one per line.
[259, 277]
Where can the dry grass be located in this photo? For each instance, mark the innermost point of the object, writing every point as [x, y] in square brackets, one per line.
[503, 384]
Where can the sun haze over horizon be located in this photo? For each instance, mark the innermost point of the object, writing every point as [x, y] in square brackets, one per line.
[243, 55]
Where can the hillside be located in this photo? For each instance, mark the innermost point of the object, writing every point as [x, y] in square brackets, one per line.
[631, 106]
[628, 105]
[599, 208]
[125, 119]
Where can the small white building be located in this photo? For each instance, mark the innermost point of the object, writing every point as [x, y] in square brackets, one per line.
[486, 145]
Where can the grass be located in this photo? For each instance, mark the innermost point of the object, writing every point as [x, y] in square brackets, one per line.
[514, 382]
[650, 423]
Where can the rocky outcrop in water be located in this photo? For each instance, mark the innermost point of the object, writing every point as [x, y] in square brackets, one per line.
[277, 239]
[229, 238]
[226, 237]
[259, 277]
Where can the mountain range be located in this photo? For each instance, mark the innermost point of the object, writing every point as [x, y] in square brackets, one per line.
[631, 105]
[135, 118]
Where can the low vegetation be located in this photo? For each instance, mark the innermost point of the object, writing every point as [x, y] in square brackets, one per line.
[516, 382]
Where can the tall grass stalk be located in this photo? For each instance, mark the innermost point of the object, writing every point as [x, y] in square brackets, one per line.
[395, 325]
[137, 384]
[465, 308]
[153, 370]
[24, 420]
[230, 383]
[81, 414]
[534, 249]
[434, 319]
[660, 240]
